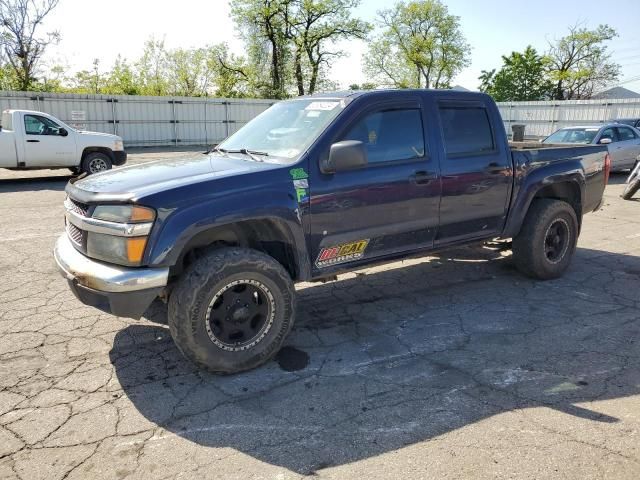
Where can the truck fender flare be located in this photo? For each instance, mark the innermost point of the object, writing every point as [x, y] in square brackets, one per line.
[272, 228]
[546, 183]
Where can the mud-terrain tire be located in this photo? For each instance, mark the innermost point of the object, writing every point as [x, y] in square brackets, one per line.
[223, 299]
[547, 240]
[96, 162]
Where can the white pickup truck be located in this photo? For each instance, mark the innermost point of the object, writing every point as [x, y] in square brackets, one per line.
[37, 140]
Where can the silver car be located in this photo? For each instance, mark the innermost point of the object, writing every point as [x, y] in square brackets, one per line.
[623, 141]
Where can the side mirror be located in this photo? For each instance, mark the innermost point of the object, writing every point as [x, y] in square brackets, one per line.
[605, 141]
[63, 132]
[345, 155]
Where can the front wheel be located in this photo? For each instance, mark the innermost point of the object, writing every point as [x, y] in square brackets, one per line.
[547, 240]
[232, 310]
[96, 162]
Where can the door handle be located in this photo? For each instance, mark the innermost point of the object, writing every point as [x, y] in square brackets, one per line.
[33, 141]
[494, 167]
[422, 177]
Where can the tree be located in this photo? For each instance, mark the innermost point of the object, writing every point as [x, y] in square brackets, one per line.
[230, 73]
[420, 46]
[314, 26]
[263, 24]
[20, 21]
[521, 78]
[152, 68]
[579, 64]
[294, 41]
[122, 79]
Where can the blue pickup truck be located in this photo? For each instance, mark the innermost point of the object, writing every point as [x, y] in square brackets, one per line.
[312, 187]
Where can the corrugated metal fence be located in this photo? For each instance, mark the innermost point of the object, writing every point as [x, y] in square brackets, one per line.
[166, 121]
[543, 118]
[144, 121]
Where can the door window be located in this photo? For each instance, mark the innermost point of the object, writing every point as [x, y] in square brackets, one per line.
[609, 133]
[390, 135]
[37, 125]
[467, 130]
[625, 133]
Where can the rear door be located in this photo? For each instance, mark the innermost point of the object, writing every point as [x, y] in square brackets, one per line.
[476, 172]
[387, 207]
[44, 145]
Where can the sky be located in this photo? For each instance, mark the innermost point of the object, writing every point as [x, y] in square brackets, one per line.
[493, 28]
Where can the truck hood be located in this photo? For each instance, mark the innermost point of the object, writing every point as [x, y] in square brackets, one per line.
[135, 181]
[99, 134]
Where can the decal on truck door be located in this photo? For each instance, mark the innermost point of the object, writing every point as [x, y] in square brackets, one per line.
[341, 253]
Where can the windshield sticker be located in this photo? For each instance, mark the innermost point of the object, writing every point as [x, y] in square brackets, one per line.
[322, 105]
[341, 253]
[303, 183]
[313, 113]
[298, 173]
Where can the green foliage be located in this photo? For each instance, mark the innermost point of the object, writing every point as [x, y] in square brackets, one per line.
[420, 46]
[521, 78]
[579, 63]
[291, 43]
[21, 43]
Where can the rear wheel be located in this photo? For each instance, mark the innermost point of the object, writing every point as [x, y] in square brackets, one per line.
[96, 162]
[547, 241]
[232, 310]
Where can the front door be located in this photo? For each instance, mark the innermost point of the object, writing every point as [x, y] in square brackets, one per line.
[476, 173]
[627, 148]
[45, 146]
[387, 207]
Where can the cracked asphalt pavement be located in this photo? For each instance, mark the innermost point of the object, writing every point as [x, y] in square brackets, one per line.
[449, 366]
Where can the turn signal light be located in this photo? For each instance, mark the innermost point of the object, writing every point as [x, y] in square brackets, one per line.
[142, 214]
[135, 248]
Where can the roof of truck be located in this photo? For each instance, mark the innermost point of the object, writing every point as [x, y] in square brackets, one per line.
[390, 91]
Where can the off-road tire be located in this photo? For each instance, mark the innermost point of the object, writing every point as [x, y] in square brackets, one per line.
[191, 300]
[530, 245]
[93, 158]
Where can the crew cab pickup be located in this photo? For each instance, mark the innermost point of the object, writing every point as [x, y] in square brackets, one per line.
[37, 140]
[312, 187]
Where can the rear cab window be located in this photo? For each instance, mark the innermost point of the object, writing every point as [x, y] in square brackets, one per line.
[466, 130]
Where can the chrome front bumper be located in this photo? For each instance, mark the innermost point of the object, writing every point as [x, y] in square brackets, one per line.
[122, 291]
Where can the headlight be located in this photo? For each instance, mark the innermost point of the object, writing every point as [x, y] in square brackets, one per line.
[120, 250]
[124, 213]
[118, 145]
[120, 235]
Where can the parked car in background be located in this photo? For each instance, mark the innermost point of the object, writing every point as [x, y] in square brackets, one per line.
[623, 141]
[634, 122]
[36, 140]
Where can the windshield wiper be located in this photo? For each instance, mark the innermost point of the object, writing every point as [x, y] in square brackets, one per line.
[245, 151]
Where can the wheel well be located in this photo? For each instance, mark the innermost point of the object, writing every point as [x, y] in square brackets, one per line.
[267, 236]
[105, 150]
[567, 192]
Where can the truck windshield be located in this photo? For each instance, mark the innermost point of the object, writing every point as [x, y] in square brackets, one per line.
[286, 130]
[572, 135]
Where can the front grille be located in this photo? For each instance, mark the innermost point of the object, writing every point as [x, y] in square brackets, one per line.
[75, 234]
[79, 208]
